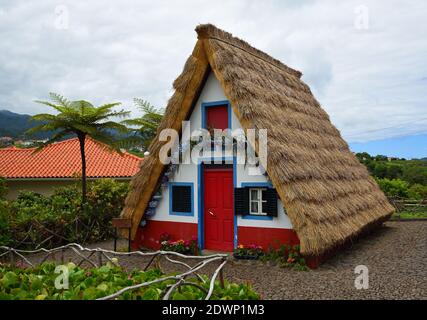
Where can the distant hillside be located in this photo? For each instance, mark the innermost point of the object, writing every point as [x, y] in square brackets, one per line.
[15, 124]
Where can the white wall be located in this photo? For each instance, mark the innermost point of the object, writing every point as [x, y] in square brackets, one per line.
[188, 172]
[44, 187]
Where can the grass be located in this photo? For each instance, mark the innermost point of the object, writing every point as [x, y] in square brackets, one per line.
[407, 215]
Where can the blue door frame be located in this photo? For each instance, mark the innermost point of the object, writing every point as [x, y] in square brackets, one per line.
[200, 193]
[201, 161]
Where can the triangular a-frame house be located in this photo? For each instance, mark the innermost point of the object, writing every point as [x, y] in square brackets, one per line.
[327, 195]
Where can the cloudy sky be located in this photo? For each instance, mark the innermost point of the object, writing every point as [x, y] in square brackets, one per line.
[366, 61]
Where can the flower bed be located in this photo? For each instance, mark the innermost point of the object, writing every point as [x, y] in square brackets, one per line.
[248, 252]
[287, 257]
[180, 246]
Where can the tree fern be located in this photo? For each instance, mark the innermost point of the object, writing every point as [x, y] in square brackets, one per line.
[146, 126]
[82, 119]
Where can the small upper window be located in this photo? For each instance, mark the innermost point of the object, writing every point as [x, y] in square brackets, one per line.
[256, 201]
[217, 117]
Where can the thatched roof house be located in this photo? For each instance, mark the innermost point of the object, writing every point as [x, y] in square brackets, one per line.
[328, 195]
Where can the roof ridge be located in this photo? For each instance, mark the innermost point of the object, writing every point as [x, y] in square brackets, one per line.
[132, 155]
[63, 141]
[15, 148]
[209, 31]
[125, 153]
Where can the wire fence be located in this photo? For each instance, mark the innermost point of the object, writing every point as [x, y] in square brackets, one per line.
[409, 206]
[96, 257]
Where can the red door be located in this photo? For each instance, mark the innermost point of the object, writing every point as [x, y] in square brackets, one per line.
[218, 209]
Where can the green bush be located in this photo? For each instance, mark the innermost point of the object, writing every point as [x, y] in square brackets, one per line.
[3, 188]
[87, 284]
[415, 174]
[34, 219]
[380, 170]
[418, 191]
[391, 172]
[5, 234]
[287, 256]
[394, 187]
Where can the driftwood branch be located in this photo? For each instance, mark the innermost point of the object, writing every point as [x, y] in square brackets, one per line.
[211, 288]
[85, 254]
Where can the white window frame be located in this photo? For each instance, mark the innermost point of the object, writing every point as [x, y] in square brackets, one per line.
[260, 201]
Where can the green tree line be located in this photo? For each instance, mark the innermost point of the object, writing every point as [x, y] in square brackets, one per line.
[398, 177]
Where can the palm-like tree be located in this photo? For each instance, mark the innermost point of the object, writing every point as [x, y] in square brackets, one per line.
[82, 119]
[146, 126]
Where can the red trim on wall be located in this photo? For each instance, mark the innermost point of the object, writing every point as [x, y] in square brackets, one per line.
[149, 236]
[266, 237]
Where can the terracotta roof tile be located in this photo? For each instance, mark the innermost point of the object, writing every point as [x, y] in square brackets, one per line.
[62, 160]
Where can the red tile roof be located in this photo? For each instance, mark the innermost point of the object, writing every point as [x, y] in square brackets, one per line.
[62, 160]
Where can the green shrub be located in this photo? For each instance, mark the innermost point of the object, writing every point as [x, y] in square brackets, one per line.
[5, 233]
[380, 170]
[286, 256]
[415, 174]
[59, 218]
[418, 191]
[87, 284]
[3, 188]
[394, 187]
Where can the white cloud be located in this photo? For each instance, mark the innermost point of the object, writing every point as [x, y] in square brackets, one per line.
[372, 82]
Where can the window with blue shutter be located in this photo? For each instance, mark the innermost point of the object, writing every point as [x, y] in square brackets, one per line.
[181, 198]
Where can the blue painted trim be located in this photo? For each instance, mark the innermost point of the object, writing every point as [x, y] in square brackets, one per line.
[186, 214]
[200, 223]
[212, 160]
[200, 190]
[253, 217]
[215, 104]
[257, 185]
[236, 243]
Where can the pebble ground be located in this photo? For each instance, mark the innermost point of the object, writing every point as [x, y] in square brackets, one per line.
[396, 257]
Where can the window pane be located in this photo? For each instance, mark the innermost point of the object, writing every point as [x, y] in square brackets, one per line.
[254, 194]
[254, 207]
[181, 198]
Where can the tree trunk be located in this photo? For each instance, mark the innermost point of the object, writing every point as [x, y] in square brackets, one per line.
[82, 139]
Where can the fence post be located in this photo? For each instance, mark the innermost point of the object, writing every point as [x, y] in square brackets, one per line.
[100, 258]
[221, 277]
[12, 258]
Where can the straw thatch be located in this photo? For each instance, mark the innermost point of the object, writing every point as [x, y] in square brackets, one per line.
[328, 195]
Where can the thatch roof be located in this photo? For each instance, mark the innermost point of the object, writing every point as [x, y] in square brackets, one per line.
[328, 195]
